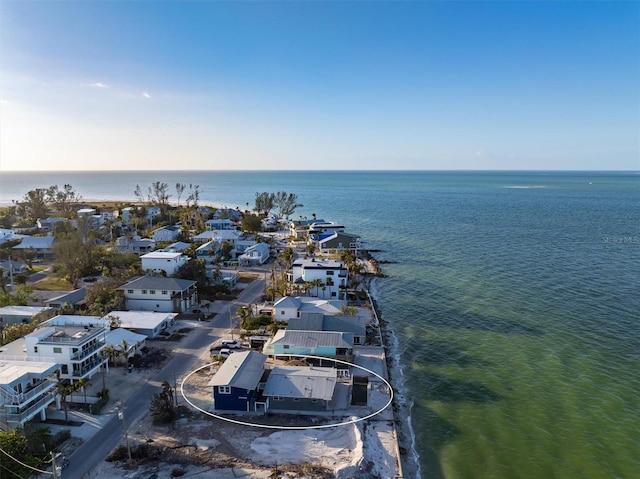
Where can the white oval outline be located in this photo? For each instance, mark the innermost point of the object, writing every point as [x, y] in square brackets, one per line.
[295, 428]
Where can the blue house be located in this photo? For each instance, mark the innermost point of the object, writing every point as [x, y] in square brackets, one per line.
[330, 344]
[235, 385]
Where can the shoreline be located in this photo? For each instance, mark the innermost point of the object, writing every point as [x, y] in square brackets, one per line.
[405, 436]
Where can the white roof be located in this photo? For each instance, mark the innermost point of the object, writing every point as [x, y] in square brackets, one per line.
[21, 310]
[309, 382]
[141, 319]
[116, 336]
[161, 255]
[13, 368]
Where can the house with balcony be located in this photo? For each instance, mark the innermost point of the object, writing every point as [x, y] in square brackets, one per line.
[325, 279]
[74, 342]
[254, 255]
[289, 343]
[26, 387]
[157, 293]
[165, 233]
[338, 241]
[168, 262]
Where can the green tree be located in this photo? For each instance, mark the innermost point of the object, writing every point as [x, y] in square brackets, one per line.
[34, 205]
[72, 257]
[179, 190]
[264, 203]
[15, 445]
[65, 389]
[251, 223]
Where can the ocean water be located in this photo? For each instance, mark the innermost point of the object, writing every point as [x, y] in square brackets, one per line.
[515, 298]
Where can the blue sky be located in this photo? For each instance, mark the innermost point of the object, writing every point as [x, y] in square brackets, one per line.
[319, 85]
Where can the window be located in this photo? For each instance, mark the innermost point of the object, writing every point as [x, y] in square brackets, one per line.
[314, 400]
[333, 293]
[278, 398]
[57, 350]
[282, 312]
[224, 389]
[144, 291]
[329, 273]
[286, 346]
[35, 349]
[64, 369]
[130, 291]
[165, 292]
[296, 399]
[152, 291]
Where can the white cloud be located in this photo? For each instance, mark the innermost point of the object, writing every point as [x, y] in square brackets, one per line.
[98, 85]
[145, 94]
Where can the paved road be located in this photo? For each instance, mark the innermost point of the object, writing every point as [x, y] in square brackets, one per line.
[94, 450]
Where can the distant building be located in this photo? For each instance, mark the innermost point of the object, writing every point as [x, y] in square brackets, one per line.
[170, 263]
[148, 323]
[331, 276]
[156, 293]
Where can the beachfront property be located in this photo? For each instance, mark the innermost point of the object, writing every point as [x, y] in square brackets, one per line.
[20, 314]
[356, 325]
[157, 293]
[168, 262]
[290, 307]
[26, 389]
[165, 233]
[300, 388]
[337, 241]
[74, 342]
[235, 384]
[254, 255]
[289, 343]
[148, 323]
[325, 279]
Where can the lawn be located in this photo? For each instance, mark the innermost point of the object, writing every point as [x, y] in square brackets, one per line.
[51, 283]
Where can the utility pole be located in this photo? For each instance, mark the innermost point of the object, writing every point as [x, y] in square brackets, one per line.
[57, 470]
[120, 409]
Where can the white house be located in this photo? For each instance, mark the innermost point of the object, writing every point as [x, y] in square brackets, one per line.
[166, 233]
[168, 262]
[74, 342]
[148, 323]
[288, 308]
[26, 387]
[331, 277]
[254, 255]
[218, 235]
[156, 293]
[134, 244]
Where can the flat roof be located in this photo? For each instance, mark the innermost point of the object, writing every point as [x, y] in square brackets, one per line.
[12, 369]
[161, 255]
[141, 319]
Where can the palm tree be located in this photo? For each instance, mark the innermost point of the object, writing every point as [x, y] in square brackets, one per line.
[65, 389]
[111, 352]
[82, 384]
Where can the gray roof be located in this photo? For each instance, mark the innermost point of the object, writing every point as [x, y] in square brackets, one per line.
[309, 321]
[313, 339]
[309, 382]
[241, 370]
[73, 297]
[36, 242]
[158, 282]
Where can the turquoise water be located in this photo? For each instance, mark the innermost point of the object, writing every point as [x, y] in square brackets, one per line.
[514, 296]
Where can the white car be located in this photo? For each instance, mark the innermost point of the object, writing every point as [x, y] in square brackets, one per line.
[225, 353]
[231, 343]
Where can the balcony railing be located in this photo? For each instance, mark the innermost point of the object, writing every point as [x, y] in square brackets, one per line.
[80, 355]
[18, 418]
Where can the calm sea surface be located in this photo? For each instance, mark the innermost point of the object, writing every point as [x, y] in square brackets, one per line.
[515, 298]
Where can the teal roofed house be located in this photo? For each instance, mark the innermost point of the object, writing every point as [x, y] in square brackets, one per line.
[330, 344]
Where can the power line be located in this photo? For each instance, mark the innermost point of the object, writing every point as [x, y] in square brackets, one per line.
[23, 464]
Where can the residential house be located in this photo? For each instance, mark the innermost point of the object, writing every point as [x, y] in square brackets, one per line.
[254, 255]
[319, 227]
[356, 325]
[26, 389]
[126, 342]
[170, 263]
[325, 279]
[300, 388]
[290, 307]
[49, 224]
[75, 299]
[13, 267]
[299, 229]
[220, 224]
[219, 235]
[291, 343]
[176, 247]
[126, 214]
[157, 293]
[19, 314]
[134, 244]
[74, 342]
[208, 251]
[165, 233]
[42, 246]
[148, 323]
[337, 241]
[236, 383]
[8, 235]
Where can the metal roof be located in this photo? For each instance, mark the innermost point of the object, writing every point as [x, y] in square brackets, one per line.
[309, 382]
[240, 370]
[158, 282]
[314, 339]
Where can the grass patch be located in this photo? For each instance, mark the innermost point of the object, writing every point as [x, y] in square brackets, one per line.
[52, 284]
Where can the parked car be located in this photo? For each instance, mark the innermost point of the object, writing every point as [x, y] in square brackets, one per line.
[231, 343]
[225, 353]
